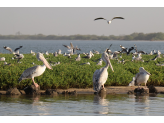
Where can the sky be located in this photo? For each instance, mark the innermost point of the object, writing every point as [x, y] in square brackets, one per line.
[76, 19]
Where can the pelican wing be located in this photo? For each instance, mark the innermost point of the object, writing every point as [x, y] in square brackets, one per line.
[100, 18]
[18, 48]
[67, 46]
[71, 45]
[8, 48]
[117, 18]
[99, 78]
[28, 73]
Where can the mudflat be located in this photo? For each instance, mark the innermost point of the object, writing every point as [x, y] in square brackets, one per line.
[109, 90]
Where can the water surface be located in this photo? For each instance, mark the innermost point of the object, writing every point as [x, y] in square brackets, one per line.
[85, 45]
[82, 105]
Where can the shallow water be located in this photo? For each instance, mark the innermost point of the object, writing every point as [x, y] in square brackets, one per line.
[86, 46]
[82, 105]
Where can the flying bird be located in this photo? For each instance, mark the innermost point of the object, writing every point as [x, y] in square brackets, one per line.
[109, 21]
[9, 49]
[36, 70]
[71, 48]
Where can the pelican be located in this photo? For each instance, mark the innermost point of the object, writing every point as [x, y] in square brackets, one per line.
[100, 76]
[36, 70]
[141, 77]
[110, 20]
[59, 51]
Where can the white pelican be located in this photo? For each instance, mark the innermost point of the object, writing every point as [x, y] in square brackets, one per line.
[110, 20]
[36, 70]
[100, 76]
[141, 77]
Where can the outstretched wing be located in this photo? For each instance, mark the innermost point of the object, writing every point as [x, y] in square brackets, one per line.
[18, 48]
[71, 45]
[100, 18]
[110, 46]
[8, 48]
[67, 46]
[117, 18]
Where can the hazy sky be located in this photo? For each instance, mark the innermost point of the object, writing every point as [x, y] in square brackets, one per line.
[80, 20]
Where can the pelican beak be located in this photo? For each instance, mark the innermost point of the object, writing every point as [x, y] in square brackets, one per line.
[148, 73]
[46, 63]
[110, 64]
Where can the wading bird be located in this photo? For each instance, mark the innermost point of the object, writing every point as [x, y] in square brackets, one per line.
[36, 70]
[109, 21]
[100, 76]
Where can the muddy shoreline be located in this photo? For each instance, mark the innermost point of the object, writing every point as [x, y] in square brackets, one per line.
[109, 90]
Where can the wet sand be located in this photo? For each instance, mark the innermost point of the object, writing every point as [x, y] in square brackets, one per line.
[109, 90]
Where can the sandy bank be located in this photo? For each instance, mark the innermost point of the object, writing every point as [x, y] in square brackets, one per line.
[109, 90]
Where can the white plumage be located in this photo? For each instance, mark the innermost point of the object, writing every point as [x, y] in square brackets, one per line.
[141, 77]
[109, 21]
[36, 70]
[100, 76]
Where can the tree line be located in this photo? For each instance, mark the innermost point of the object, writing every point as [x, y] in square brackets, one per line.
[134, 36]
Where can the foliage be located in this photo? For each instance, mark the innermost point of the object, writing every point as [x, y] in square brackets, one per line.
[70, 74]
[133, 36]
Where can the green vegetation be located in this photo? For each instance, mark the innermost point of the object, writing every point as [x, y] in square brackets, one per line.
[133, 36]
[70, 73]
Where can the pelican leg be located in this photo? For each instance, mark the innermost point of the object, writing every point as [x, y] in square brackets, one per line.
[145, 86]
[35, 84]
[103, 87]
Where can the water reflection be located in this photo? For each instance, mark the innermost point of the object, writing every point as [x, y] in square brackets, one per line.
[85, 105]
[101, 104]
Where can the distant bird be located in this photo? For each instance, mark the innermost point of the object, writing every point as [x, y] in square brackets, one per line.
[141, 77]
[5, 63]
[2, 59]
[96, 52]
[108, 49]
[36, 70]
[72, 48]
[55, 54]
[19, 56]
[132, 83]
[85, 63]
[89, 55]
[32, 52]
[59, 51]
[127, 51]
[100, 62]
[78, 58]
[47, 53]
[9, 49]
[108, 20]
[100, 76]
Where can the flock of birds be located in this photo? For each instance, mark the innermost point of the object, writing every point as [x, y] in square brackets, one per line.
[100, 76]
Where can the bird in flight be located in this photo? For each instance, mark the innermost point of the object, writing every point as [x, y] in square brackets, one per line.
[109, 21]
